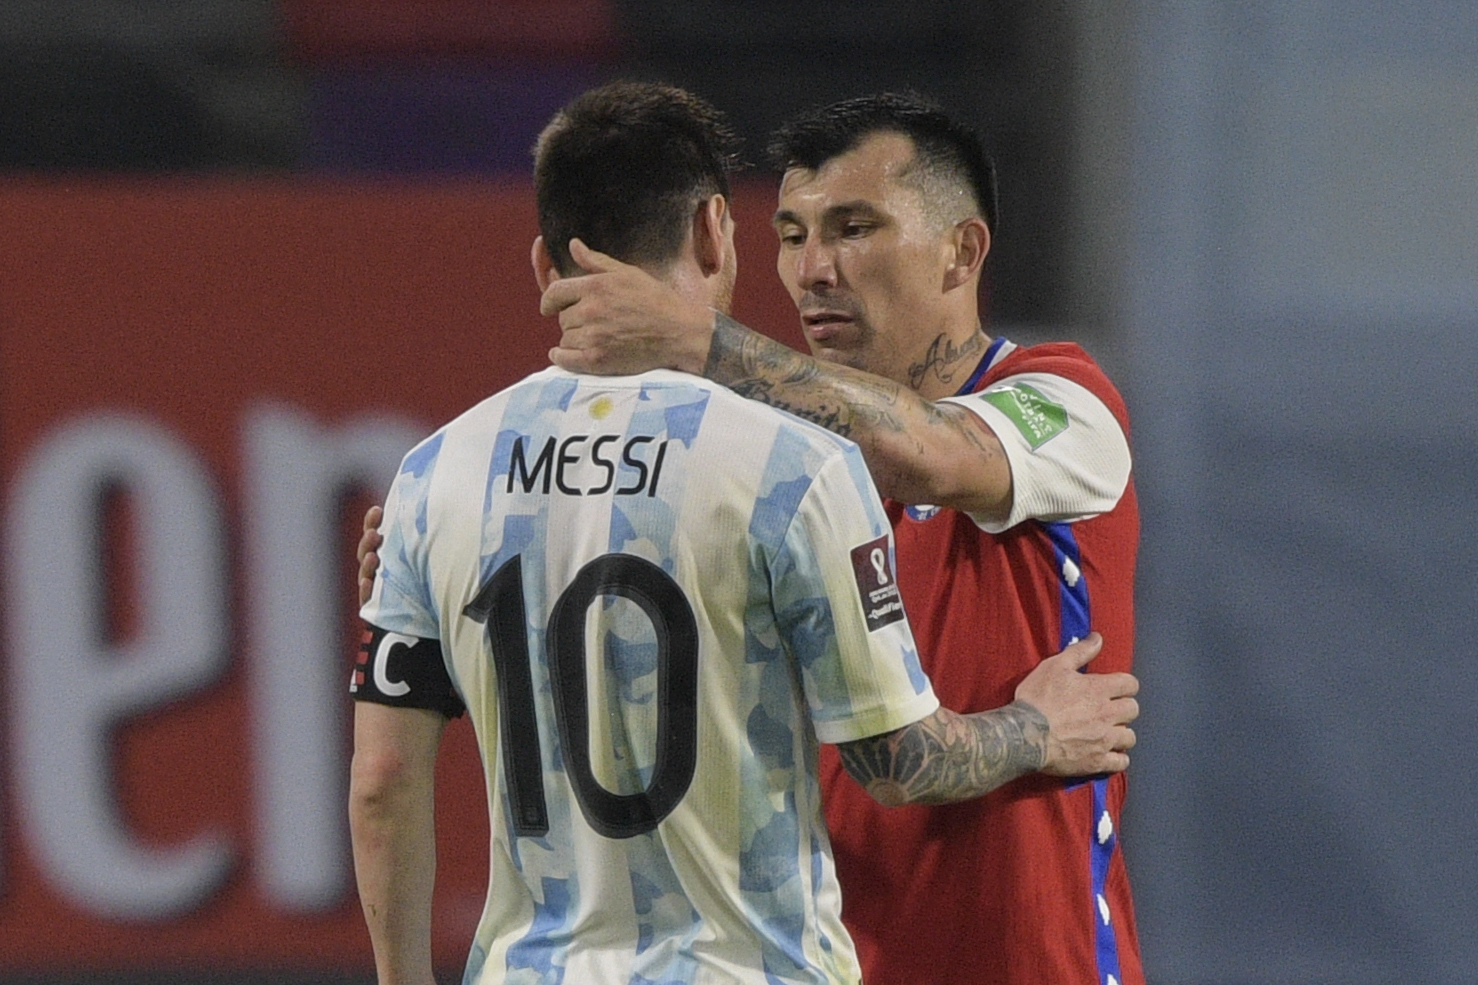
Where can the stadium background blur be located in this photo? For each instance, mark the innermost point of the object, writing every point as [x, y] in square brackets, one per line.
[251, 249]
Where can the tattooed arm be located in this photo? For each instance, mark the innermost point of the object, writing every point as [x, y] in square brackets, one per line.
[621, 320]
[948, 757]
[918, 451]
[1062, 722]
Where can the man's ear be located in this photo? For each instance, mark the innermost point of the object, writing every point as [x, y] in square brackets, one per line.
[710, 245]
[971, 242]
[545, 271]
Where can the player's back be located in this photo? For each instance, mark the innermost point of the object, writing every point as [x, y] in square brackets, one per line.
[631, 593]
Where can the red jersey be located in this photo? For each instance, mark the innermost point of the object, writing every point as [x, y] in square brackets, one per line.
[1025, 886]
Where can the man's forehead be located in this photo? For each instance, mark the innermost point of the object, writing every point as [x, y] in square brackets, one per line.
[865, 177]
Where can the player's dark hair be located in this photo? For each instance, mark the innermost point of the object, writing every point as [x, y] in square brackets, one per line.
[624, 166]
[944, 148]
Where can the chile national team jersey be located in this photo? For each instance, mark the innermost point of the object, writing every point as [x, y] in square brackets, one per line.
[1025, 886]
[653, 597]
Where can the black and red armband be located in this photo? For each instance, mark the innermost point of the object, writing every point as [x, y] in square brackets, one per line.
[404, 672]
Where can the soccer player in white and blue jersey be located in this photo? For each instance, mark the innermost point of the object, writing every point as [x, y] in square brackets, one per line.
[653, 598]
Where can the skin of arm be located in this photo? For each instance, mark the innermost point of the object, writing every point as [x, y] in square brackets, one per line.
[918, 451]
[1062, 722]
[391, 815]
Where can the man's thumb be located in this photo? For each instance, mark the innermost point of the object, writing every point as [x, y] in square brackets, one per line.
[1080, 653]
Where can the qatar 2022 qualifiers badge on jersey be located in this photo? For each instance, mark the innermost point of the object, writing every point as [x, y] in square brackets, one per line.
[876, 585]
[1037, 418]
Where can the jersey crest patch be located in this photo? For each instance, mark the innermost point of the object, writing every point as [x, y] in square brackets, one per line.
[1037, 418]
[876, 586]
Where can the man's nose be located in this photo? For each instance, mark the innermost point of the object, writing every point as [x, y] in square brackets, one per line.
[816, 265]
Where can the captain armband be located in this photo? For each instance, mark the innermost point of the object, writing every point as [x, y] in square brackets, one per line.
[404, 672]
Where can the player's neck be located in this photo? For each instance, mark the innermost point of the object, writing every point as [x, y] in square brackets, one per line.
[941, 366]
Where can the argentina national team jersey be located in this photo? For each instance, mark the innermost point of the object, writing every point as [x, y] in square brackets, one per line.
[654, 596]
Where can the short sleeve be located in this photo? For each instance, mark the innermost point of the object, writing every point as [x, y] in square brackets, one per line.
[838, 606]
[401, 663]
[401, 599]
[1069, 456]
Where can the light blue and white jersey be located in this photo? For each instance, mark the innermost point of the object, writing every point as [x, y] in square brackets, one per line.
[655, 597]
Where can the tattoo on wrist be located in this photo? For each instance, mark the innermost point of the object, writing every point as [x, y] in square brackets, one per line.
[947, 758]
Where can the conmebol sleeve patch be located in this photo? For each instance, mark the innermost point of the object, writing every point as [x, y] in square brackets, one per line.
[1037, 418]
[876, 584]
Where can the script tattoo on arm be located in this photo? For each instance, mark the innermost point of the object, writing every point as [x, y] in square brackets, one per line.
[758, 367]
[948, 757]
[916, 449]
[764, 370]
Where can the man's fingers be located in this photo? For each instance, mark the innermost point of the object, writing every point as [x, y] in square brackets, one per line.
[1125, 710]
[369, 563]
[1123, 684]
[370, 540]
[592, 261]
[559, 295]
[574, 360]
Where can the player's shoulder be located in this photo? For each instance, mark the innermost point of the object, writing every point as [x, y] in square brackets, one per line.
[1065, 360]
[808, 432]
[1043, 357]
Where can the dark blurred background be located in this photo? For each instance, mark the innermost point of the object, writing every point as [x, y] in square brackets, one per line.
[1262, 218]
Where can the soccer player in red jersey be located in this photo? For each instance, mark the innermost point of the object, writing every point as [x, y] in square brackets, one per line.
[1007, 476]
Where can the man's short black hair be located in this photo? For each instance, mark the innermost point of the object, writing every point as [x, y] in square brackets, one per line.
[944, 148]
[623, 168]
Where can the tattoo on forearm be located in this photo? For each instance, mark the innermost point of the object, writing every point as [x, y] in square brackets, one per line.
[946, 758]
[758, 367]
[944, 359]
[894, 425]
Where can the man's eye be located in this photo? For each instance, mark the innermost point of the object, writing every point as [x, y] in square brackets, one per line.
[792, 239]
[852, 230]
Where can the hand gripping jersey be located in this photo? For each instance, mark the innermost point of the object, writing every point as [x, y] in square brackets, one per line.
[654, 597]
[1025, 886]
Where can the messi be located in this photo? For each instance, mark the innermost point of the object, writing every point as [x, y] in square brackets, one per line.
[590, 461]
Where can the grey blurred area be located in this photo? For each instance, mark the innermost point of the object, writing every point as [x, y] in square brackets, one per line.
[145, 85]
[1301, 340]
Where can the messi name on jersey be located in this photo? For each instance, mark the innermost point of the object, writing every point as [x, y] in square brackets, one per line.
[589, 465]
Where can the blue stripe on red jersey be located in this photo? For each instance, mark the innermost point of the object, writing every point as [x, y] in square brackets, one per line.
[1073, 625]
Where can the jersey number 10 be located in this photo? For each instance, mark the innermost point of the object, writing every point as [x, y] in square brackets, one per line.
[500, 606]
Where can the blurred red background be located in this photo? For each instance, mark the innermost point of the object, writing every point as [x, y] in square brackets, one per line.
[183, 303]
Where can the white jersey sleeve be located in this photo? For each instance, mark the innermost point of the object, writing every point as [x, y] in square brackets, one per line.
[837, 602]
[401, 600]
[1069, 456]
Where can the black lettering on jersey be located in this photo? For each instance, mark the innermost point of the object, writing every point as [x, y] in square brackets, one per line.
[628, 456]
[566, 458]
[657, 469]
[604, 463]
[561, 468]
[404, 672]
[518, 465]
